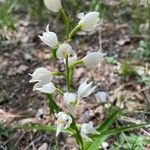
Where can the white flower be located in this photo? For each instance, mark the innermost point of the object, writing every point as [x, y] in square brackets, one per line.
[101, 97]
[47, 88]
[87, 128]
[49, 38]
[53, 5]
[89, 21]
[71, 59]
[70, 98]
[42, 76]
[85, 89]
[92, 59]
[63, 121]
[64, 50]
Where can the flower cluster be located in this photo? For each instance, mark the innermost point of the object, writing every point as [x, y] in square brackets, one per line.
[64, 51]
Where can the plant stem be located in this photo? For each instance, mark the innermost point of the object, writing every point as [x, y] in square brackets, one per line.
[75, 29]
[67, 75]
[58, 73]
[53, 50]
[65, 20]
[53, 107]
[59, 91]
[77, 135]
[76, 63]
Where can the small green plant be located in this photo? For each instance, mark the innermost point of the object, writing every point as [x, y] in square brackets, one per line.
[111, 60]
[127, 70]
[6, 21]
[131, 141]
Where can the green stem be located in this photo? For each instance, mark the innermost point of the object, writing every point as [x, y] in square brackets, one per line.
[59, 91]
[75, 29]
[77, 134]
[58, 73]
[53, 107]
[76, 63]
[67, 75]
[53, 50]
[65, 20]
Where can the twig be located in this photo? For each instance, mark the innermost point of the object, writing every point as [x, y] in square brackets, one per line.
[146, 88]
[31, 143]
[19, 140]
[100, 38]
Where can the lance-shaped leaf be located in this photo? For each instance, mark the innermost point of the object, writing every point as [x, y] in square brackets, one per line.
[53, 107]
[98, 139]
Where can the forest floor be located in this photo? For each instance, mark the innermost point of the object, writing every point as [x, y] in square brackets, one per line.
[23, 52]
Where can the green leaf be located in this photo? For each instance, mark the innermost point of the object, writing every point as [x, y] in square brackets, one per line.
[115, 112]
[77, 135]
[122, 129]
[47, 128]
[98, 139]
[53, 107]
[37, 127]
[112, 117]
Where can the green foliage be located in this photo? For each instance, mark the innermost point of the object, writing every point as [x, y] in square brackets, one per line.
[6, 20]
[53, 107]
[143, 50]
[127, 70]
[144, 79]
[111, 60]
[98, 5]
[136, 17]
[5, 131]
[131, 141]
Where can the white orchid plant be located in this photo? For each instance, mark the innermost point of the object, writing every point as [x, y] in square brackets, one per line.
[87, 136]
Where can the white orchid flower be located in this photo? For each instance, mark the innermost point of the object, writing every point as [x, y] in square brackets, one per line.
[40, 74]
[64, 50]
[89, 21]
[71, 59]
[85, 89]
[53, 5]
[71, 100]
[47, 88]
[86, 129]
[92, 59]
[63, 122]
[49, 38]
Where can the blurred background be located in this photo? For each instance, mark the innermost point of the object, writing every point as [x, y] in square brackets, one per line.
[124, 76]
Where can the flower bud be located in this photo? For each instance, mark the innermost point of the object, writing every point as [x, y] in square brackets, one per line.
[89, 21]
[53, 5]
[92, 59]
[63, 122]
[64, 50]
[49, 38]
